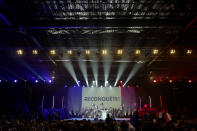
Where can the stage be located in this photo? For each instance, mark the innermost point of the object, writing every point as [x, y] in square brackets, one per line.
[91, 119]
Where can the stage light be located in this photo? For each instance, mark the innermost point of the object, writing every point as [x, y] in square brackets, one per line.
[172, 51]
[53, 77]
[87, 52]
[155, 51]
[35, 52]
[189, 52]
[19, 52]
[78, 83]
[137, 52]
[0, 80]
[106, 83]
[69, 52]
[93, 83]
[190, 81]
[50, 81]
[36, 81]
[155, 81]
[52, 52]
[15, 81]
[104, 52]
[170, 81]
[119, 51]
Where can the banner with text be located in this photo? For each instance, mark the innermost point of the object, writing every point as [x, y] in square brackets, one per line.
[101, 98]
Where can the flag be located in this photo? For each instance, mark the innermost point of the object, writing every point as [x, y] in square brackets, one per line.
[168, 117]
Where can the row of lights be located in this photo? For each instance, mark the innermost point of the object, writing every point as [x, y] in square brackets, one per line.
[36, 81]
[104, 52]
[170, 81]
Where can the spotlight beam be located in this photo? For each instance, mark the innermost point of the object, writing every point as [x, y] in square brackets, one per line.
[107, 67]
[133, 72]
[30, 69]
[94, 66]
[11, 72]
[83, 68]
[121, 69]
[69, 66]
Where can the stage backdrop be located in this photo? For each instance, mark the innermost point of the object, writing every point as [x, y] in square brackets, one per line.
[100, 98]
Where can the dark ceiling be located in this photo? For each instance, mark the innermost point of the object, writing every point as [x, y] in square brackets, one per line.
[98, 24]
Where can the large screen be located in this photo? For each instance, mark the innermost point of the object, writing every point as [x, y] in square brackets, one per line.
[101, 98]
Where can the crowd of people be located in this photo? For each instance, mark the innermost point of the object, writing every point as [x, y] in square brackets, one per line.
[33, 123]
[97, 113]
[144, 119]
[85, 113]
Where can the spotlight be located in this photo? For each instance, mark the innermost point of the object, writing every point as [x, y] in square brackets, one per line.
[36, 81]
[104, 52]
[189, 52]
[19, 52]
[172, 51]
[0, 80]
[87, 52]
[170, 81]
[69, 52]
[15, 81]
[52, 52]
[53, 77]
[50, 81]
[137, 52]
[190, 81]
[119, 51]
[155, 81]
[155, 51]
[35, 52]
[106, 83]
[78, 83]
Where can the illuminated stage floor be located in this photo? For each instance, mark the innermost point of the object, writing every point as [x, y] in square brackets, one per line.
[91, 119]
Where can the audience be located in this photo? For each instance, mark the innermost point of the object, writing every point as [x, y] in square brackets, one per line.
[142, 120]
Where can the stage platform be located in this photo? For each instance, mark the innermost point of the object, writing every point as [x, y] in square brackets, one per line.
[91, 119]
